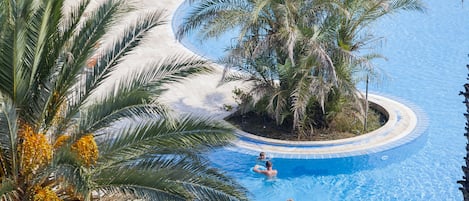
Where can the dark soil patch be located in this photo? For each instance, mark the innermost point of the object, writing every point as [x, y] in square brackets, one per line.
[261, 126]
[266, 127]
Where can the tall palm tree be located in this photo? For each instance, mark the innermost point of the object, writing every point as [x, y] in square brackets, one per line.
[332, 60]
[303, 56]
[266, 48]
[63, 137]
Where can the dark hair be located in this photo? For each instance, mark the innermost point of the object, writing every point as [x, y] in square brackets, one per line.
[268, 164]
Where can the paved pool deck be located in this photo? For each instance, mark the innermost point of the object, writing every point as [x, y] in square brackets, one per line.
[202, 95]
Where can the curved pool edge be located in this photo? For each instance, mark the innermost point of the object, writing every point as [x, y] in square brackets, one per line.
[406, 122]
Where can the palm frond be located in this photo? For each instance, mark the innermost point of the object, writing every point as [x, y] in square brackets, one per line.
[154, 78]
[185, 177]
[278, 105]
[233, 75]
[8, 138]
[109, 59]
[8, 190]
[43, 26]
[114, 111]
[23, 45]
[67, 176]
[157, 174]
[210, 193]
[68, 53]
[71, 20]
[134, 192]
[156, 135]
[126, 42]
[132, 96]
[416, 5]
[301, 95]
[221, 13]
[6, 52]
[84, 41]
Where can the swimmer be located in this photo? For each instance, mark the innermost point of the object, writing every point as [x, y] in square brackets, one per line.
[261, 156]
[268, 172]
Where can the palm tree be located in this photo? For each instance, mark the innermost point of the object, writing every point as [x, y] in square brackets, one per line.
[464, 182]
[265, 52]
[63, 137]
[303, 56]
[331, 62]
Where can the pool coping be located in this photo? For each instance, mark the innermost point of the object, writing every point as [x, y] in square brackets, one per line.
[402, 127]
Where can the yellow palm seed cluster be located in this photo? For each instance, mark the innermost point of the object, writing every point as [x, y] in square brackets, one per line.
[61, 141]
[86, 149]
[36, 151]
[45, 194]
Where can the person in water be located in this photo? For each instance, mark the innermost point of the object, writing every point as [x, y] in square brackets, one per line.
[270, 172]
[261, 156]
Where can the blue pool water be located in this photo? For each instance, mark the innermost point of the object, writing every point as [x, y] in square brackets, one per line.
[427, 54]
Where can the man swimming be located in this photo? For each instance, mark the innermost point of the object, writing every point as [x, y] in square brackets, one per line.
[270, 172]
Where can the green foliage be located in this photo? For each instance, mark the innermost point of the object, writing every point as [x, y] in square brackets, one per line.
[243, 100]
[52, 69]
[353, 121]
[300, 56]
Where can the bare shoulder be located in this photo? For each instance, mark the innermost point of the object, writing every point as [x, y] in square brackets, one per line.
[272, 173]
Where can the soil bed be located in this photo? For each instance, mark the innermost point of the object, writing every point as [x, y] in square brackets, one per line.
[266, 127]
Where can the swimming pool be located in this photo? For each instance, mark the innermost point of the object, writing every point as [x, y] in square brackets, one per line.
[427, 55]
